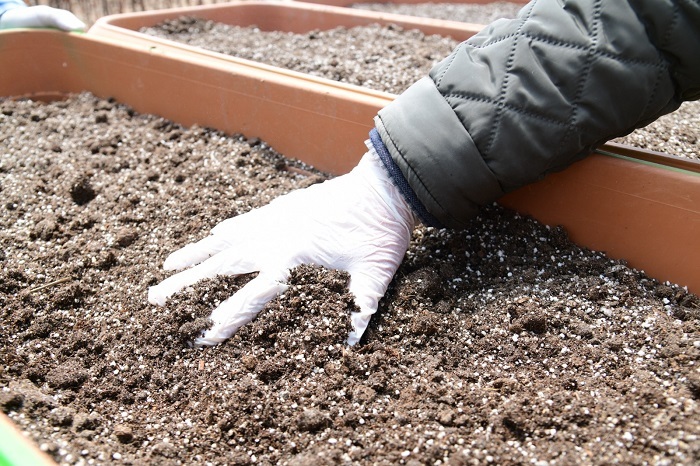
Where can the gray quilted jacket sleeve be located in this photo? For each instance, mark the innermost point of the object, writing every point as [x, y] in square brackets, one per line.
[532, 95]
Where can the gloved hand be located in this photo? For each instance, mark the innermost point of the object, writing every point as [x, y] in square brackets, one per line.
[358, 222]
[40, 16]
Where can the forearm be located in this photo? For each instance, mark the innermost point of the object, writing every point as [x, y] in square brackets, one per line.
[529, 96]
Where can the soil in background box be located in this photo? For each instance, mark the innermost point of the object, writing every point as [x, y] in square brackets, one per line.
[504, 343]
[390, 59]
[383, 58]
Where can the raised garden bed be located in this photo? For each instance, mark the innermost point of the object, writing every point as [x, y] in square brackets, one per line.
[278, 35]
[297, 17]
[505, 343]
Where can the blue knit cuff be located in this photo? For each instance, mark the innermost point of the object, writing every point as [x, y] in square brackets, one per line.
[401, 182]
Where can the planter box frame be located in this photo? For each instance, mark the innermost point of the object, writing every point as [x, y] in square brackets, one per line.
[270, 15]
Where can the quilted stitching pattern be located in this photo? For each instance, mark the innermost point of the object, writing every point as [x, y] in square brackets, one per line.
[549, 77]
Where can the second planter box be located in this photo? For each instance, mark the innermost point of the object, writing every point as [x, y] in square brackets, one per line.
[295, 17]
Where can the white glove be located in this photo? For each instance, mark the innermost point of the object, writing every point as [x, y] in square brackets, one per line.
[358, 222]
[40, 16]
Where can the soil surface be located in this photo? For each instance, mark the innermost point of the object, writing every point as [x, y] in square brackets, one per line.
[355, 56]
[502, 344]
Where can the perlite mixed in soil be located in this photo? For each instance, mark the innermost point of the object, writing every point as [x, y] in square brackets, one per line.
[390, 59]
[503, 344]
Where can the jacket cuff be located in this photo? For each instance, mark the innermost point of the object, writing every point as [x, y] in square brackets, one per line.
[400, 181]
[437, 156]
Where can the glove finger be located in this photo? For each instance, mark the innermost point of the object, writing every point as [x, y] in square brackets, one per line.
[195, 253]
[367, 291]
[282, 210]
[242, 307]
[240, 223]
[224, 263]
[235, 232]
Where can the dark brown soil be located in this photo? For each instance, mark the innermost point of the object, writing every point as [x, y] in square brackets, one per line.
[501, 344]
